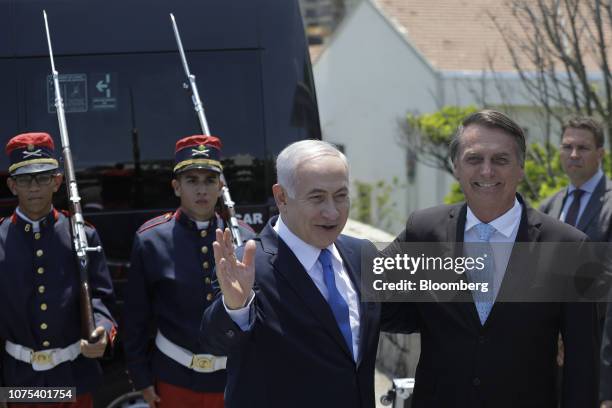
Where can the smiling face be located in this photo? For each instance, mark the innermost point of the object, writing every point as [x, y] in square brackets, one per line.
[35, 198]
[199, 191]
[580, 156]
[319, 210]
[488, 169]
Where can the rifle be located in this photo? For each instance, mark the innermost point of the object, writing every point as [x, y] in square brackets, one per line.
[77, 222]
[227, 203]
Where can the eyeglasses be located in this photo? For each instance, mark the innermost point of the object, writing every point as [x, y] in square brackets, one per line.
[25, 180]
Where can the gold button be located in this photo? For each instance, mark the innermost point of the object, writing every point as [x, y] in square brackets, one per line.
[43, 306]
[205, 265]
[43, 326]
[46, 343]
[39, 253]
[204, 250]
[27, 228]
[207, 280]
[203, 233]
[209, 297]
[41, 289]
[37, 235]
[40, 270]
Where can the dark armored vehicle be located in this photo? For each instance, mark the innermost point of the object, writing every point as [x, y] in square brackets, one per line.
[122, 84]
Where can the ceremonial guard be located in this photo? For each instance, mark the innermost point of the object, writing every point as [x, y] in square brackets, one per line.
[171, 283]
[40, 316]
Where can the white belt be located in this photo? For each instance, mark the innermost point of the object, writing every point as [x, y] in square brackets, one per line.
[45, 359]
[202, 363]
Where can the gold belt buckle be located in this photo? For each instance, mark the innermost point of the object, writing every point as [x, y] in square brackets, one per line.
[40, 357]
[202, 363]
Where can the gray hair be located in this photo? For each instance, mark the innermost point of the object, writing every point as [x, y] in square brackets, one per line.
[492, 120]
[292, 156]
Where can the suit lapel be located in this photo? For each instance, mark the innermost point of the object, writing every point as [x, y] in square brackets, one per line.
[352, 265]
[557, 203]
[516, 274]
[464, 300]
[518, 271]
[594, 205]
[286, 264]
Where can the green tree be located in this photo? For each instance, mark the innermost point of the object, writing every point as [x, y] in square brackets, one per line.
[427, 136]
[372, 203]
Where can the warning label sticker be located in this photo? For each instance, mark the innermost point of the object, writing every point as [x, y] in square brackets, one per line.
[73, 88]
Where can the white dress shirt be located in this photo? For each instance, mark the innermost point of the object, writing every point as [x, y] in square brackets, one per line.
[506, 228]
[588, 188]
[308, 256]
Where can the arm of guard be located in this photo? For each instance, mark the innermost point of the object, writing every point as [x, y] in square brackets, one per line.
[137, 312]
[102, 293]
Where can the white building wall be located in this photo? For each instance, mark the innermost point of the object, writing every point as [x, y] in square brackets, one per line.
[367, 79]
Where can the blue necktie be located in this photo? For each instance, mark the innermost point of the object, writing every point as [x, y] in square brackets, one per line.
[336, 302]
[484, 301]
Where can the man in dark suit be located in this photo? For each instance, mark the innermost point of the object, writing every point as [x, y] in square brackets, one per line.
[587, 202]
[291, 315]
[485, 353]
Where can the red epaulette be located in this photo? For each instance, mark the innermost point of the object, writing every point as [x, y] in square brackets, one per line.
[246, 225]
[162, 219]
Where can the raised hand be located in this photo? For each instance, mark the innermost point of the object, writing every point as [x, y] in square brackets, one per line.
[235, 277]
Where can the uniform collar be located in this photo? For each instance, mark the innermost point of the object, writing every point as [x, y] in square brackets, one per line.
[20, 218]
[188, 223]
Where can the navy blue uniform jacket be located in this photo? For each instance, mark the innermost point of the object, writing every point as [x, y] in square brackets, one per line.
[294, 355]
[37, 269]
[169, 284]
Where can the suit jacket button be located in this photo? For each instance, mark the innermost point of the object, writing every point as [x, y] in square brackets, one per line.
[481, 339]
[476, 381]
[229, 333]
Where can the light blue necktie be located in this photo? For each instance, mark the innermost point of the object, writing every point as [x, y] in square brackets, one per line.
[336, 302]
[484, 301]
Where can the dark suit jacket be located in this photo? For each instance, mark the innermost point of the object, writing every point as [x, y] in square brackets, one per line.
[294, 355]
[605, 389]
[596, 219]
[510, 361]
[596, 222]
